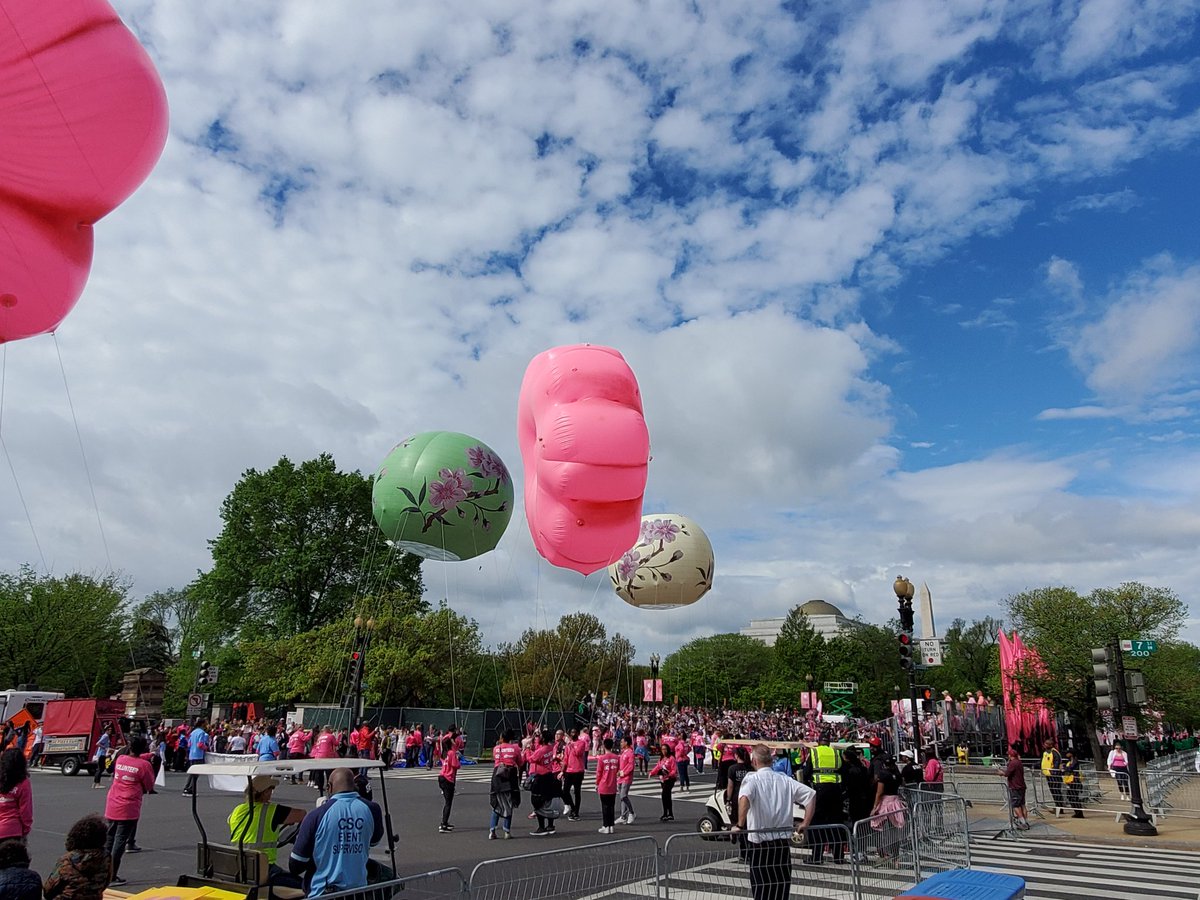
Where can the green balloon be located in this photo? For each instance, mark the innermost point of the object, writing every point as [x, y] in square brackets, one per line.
[443, 495]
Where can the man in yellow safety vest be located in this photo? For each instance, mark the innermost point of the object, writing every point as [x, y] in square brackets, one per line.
[829, 804]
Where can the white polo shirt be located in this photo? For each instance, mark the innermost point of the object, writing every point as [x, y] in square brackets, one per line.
[771, 795]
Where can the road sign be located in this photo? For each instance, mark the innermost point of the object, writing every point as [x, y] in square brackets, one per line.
[1140, 649]
[195, 704]
[1129, 726]
[931, 651]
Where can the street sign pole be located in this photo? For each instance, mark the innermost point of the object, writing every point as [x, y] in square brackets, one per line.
[1137, 823]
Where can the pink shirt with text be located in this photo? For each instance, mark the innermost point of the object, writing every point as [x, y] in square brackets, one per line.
[606, 772]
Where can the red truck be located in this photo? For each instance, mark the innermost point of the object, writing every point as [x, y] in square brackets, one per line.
[72, 727]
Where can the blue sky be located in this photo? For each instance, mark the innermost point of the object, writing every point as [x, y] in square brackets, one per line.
[910, 287]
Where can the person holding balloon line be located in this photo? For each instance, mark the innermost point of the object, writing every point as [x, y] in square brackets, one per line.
[544, 786]
[666, 771]
[625, 765]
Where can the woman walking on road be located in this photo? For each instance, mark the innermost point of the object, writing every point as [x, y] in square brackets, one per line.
[625, 766]
[446, 780]
[666, 772]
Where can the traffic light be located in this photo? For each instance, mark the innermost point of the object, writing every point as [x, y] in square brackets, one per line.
[202, 679]
[925, 692]
[1135, 688]
[906, 651]
[1105, 674]
[352, 672]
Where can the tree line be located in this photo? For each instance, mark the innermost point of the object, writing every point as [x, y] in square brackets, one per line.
[299, 559]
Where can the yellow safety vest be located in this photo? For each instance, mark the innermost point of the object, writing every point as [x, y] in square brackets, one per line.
[825, 770]
[1048, 767]
[255, 831]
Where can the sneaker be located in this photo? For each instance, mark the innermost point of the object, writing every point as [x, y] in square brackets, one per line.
[621, 821]
[492, 834]
[662, 818]
[550, 830]
[670, 819]
[444, 829]
[182, 793]
[117, 879]
[505, 834]
[449, 826]
[629, 819]
[541, 832]
[133, 848]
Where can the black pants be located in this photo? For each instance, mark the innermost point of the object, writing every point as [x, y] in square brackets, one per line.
[770, 870]
[1055, 783]
[667, 786]
[190, 787]
[120, 836]
[447, 787]
[572, 788]
[100, 762]
[608, 809]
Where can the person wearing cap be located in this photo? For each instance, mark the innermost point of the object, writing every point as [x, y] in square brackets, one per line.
[910, 772]
[256, 821]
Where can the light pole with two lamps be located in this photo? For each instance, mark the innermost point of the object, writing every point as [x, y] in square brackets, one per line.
[655, 697]
[904, 594]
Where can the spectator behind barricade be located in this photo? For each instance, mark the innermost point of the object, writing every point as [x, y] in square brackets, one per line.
[1073, 782]
[1052, 769]
[765, 810]
[16, 795]
[17, 880]
[1118, 765]
[910, 773]
[1014, 775]
[82, 872]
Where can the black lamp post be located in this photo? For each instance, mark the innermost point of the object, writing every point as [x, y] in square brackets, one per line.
[654, 697]
[362, 640]
[904, 594]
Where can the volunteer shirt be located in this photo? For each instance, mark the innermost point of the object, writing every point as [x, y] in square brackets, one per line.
[540, 760]
[576, 755]
[335, 840]
[197, 742]
[450, 765]
[506, 755]
[681, 751]
[16, 811]
[268, 748]
[325, 747]
[297, 742]
[133, 777]
[771, 795]
[625, 767]
[607, 764]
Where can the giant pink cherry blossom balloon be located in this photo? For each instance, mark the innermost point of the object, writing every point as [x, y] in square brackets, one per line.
[586, 448]
[83, 119]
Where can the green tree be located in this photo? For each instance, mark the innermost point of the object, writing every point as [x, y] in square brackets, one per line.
[1174, 674]
[556, 667]
[1063, 626]
[799, 651]
[972, 658]
[298, 545]
[66, 633]
[716, 670]
[867, 655]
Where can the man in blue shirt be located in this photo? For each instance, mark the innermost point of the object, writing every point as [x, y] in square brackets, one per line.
[268, 747]
[335, 839]
[197, 744]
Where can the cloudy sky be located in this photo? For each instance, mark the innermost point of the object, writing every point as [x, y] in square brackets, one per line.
[910, 287]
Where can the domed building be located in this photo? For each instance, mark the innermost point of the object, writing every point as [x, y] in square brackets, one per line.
[825, 618]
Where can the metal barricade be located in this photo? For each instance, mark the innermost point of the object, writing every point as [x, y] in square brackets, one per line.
[1173, 793]
[702, 866]
[571, 873]
[990, 792]
[440, 884]
[883, 863]
[941, 833]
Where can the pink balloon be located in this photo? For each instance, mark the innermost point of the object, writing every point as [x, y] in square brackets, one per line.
[83, 119]
[586, 448]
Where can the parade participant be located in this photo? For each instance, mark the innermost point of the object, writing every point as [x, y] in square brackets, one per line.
[1014, 774]
[698, 751]
[82, 872]
[607, 765]
[268, 746]
[666, 772]
[682, 752]
[256, 821]
[504, 795]
[16, 795]
[507, 752]
[625, 766]
[642, 752]
[100, 756]
[133, 777]
[36, 753]
[765, 812]
[197, 749]
[334, 842]
[324, 747]
[543, 785]
[575, 752]
[17, 880]
[446, 779]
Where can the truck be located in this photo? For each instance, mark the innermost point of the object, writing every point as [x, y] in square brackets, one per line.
[25, 697]
[72, 727]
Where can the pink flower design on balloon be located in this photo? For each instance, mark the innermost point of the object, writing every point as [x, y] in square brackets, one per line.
[628, 564]
[450, 491]
[659, 530]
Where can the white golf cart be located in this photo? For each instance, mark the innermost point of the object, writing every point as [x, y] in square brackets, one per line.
[244, 869]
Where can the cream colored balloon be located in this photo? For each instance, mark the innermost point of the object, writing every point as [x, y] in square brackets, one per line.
[671, 564]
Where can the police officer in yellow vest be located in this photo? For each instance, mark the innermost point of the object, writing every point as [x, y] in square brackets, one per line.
[829, 804]
[255, 824]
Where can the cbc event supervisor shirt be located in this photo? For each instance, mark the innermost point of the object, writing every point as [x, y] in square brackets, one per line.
[336, 838]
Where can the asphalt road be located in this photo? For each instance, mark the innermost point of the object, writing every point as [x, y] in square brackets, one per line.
[169, 835]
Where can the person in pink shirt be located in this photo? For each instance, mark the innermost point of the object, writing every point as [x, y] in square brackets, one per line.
[574, 765]
[507, 753]
[446, 779]
[607, 766]
[681, 763]
[133, 777]
[666, 771]
[16, 795]
[545, 786]
[625, 764]
[324, 747]
[698, 751]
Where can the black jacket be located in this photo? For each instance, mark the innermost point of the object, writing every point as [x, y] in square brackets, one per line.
[19, 883]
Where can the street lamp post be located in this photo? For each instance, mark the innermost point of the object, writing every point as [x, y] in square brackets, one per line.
[654, 697]
[362, 640]
[904, 594]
